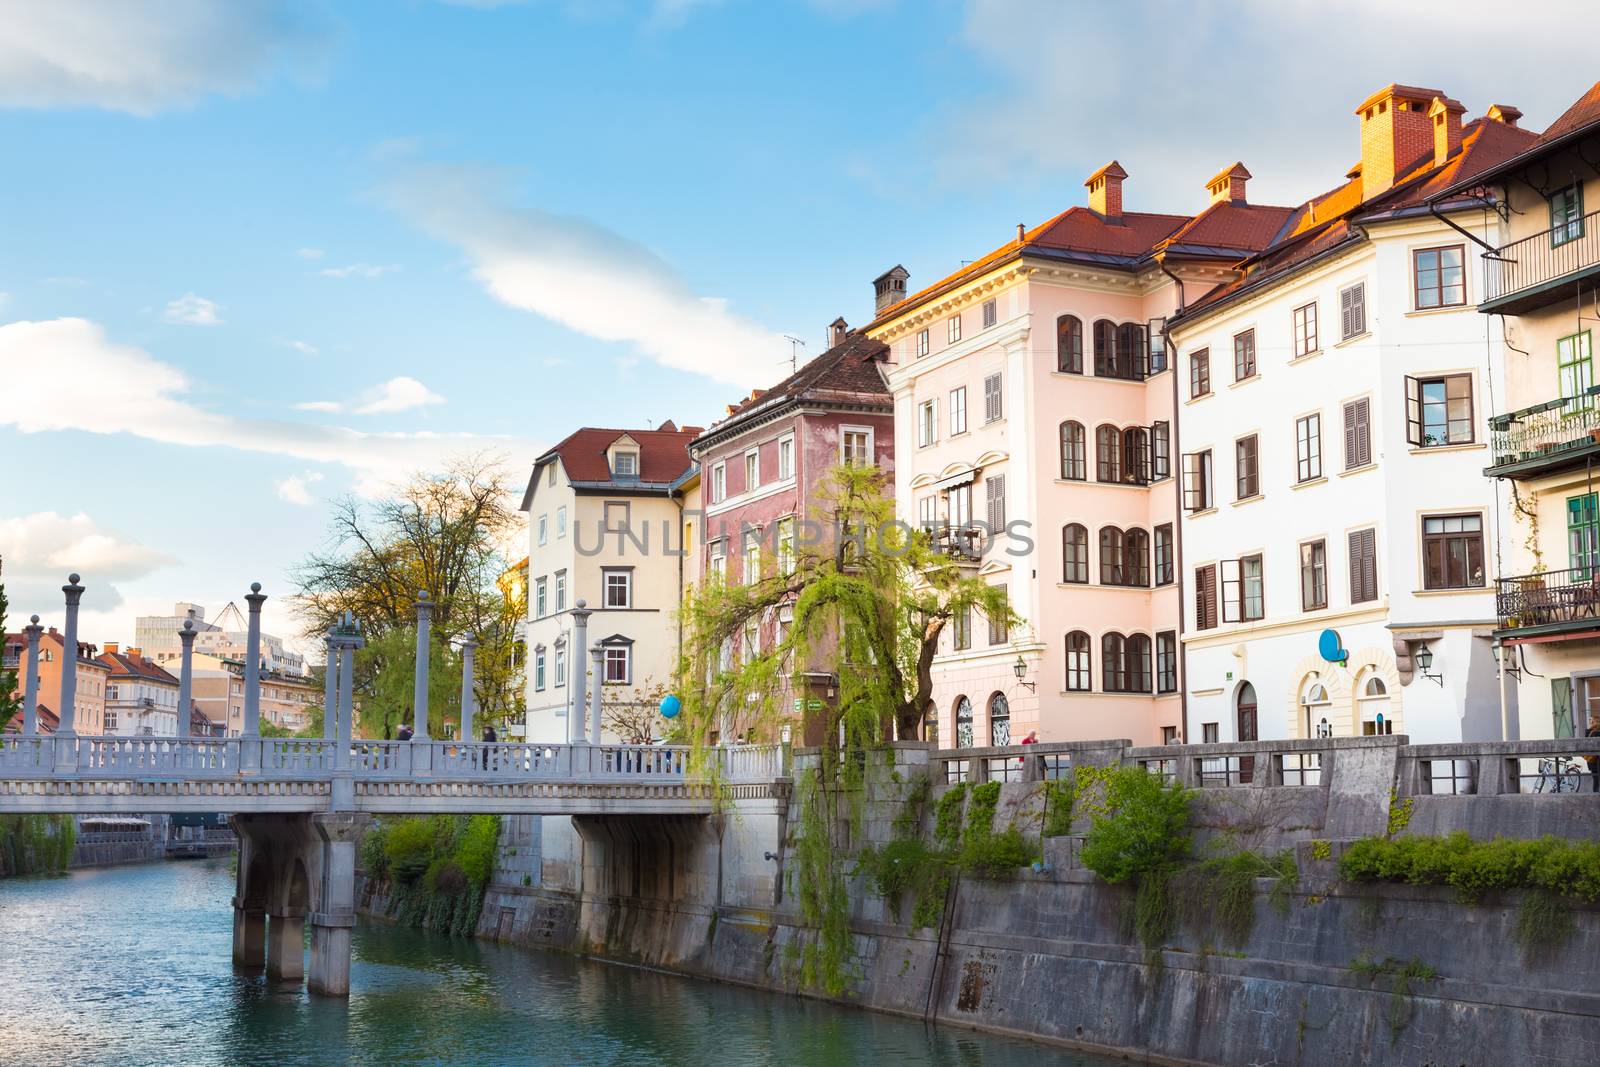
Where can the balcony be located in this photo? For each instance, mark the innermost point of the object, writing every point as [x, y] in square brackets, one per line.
[1546, 438]
[1531, 273]
[1554, 602]
[963, 544]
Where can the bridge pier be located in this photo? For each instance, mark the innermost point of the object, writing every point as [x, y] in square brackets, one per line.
[249, 936]
[339, 836]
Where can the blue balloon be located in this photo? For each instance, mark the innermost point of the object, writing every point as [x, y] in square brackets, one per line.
[670, 706]
[1331, 648]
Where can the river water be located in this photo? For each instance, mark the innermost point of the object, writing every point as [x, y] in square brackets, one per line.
[130, 966]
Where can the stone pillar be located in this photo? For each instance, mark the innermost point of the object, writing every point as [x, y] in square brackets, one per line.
[186, 678]
[347, 674]
[420, 751]
[30, 679]
[286, 946]
[252, 664]
[469, 647]
[598, 657]
[335, 916]
[579, 682]
[330, 689]
[66, 735]
[249, 935]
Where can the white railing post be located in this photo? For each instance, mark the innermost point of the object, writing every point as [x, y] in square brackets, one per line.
[186, 679]
[469, 646]
[66, 736]
[578, 683]
[30, 679]
[330, 687]
[597, 656]
[420, 756]
[250, 733]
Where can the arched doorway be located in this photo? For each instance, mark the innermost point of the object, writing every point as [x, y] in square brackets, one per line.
[1246, 714]
[963, 722]
[1314, 707]
[999, 720]
[1372, 698]
[930, 723]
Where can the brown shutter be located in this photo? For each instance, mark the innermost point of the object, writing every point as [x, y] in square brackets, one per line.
[1413, 411]
[1205, 597]
[1363, 566]
[1357, 434]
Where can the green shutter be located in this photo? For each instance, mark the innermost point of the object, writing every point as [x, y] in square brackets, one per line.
[1561, 706]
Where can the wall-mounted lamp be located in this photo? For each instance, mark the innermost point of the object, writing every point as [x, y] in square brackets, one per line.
[1425, 660]
[1020, 669]
[1506, 657]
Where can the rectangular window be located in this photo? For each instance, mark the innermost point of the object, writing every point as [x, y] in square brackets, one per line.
[719, 483]
[997, 631]
[1078, 654]
[719, 561]
[544, 529]
[1205, 597]
[1210, 732]
[1438, 278]
[960, 506]
[540, 601]
[958, 411]
[561, 590]
[1439, 410]
[614, 516]
[927, 423]
[561, 667]
[1167, 664]
[991, 314]
[786, 547]
[1161, 450]
[752, 558]
[1244, 355]
[752, 470]
[1363, 566]
[1200, 373]
[1452, 552]
[619, 668]
[995, 497]
[1314, 575]
[626, 465]
[1357, 434]
[855, 447]
[1566, 215]
[618, 587]
[1583, 535]
[928, 512]
[1575, 371]
[1197, 480]
[1243, 589]
[538, 669]
[1305, 330]
[961, 629]
[1352, 311]
[1308, 448]
[561, 522]
[953, 329]
[1166, 555]
[922, 343]
[785, 458]
[991, 398]
[1247, 478]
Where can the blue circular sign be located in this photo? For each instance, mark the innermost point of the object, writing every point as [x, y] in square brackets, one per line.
[1331, 648]
[670, 706]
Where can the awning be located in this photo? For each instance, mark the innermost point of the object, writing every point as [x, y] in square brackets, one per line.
[955, 481]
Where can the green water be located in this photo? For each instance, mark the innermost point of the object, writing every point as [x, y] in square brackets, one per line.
[130, 966]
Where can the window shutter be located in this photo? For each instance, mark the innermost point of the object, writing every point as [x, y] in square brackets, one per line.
[1160, 449]
[1205, 597]
[1413, 411]
[1232, 590]
[1561, 707]
[1357, 434]
[991, 398]
[997, 503]
[1363, 566]
[1193, 485]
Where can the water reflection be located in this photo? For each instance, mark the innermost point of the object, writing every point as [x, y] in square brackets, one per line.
[130, 966]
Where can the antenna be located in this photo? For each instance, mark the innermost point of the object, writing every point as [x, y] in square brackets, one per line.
[795, 344]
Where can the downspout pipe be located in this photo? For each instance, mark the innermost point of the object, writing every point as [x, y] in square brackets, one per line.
[1177, 526]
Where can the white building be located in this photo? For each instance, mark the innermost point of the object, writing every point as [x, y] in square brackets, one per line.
[157, 635]
[1335, 550]
[141, 697]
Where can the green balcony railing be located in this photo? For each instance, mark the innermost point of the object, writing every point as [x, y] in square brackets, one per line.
[1546, 430]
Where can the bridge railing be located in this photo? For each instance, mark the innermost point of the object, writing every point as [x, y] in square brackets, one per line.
[129, 757]
[380, 759]
[292, 756]
[26, 755]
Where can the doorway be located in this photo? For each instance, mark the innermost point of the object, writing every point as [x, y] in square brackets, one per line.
[1246, 703]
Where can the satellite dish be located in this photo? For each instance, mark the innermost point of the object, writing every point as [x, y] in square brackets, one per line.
[1331, 648]
[670, 706]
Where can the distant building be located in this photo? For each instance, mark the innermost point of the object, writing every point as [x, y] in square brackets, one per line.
[91, 692]
[218, 689]
[141, 697]
[157, 635]
[48, 721]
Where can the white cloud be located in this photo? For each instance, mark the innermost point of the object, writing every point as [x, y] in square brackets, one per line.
[145, 58]
[192, 310]
[587, 278]
[1176, 91]
[121, 389]
[360, 270]
[305, 348]
[41, 549]
[394, 395]
[309, 253]
[296, 489]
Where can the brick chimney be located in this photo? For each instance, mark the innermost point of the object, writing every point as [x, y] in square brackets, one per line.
[835, 333]
[1445, 114]
[1105, 191]
[889, 287]
[1395, 135]
[1505, 113]
[1227, 185]
[112, 647]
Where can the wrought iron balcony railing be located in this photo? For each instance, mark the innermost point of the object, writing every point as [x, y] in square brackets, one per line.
[1541, 258]
[1551, 598]
[1546, 433]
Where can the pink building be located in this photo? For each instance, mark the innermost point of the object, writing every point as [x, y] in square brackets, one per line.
[1033, 391]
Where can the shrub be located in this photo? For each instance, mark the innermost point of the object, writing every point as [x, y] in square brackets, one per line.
[994, 855]
[374, 854]
[475, 853]
[1059, 797]
[1146, 832]
[409, 849]
[947, 815]
[907, 863]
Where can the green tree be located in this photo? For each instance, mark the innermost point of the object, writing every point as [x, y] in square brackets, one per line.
[10, 698]
[388, 700]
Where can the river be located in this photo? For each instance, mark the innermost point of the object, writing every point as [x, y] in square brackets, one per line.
[130, 966]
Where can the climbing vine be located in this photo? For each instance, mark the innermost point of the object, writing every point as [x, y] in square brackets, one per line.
[36, 844]
[436, 868]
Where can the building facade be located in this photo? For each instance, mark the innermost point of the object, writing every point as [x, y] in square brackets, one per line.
[225, 637]
[141, 697]
[287, 700]
[1337, 568]
[603, 526]
[1034, 430]
[1539, 283]
[91, 691]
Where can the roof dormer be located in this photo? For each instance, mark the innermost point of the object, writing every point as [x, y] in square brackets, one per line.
[623, 459]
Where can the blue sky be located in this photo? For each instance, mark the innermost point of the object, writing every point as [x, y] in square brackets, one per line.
[259, 254]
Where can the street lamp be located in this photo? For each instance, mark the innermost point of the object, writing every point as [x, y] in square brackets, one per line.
[1020, 669]
[1425, 660]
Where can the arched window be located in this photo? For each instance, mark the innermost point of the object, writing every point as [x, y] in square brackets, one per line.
[1374, 705]
[999, 720]
[1136, 664]
[1069, 345]
[1113, 662]
[963, 722]
[1078, 653]
[1130, 351]
[1111, 543]
[1074, 553]
[1108, 454]
[1105, 349]
[1314, 705]
[1374, 687]
[1136, 558]
[1136, 456]
[1074, 452]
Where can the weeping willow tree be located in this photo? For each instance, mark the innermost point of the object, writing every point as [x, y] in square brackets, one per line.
[854, 596]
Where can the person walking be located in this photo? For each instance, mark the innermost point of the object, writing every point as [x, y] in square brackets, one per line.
[489, 738]
[1594, 761]
[405, 733]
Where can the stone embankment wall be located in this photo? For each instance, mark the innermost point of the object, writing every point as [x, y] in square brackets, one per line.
[1329, 973]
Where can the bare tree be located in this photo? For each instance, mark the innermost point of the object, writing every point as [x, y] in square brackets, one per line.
[633, 712]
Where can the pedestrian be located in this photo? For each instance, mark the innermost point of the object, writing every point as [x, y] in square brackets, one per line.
[489, 738]
[405, 733]
[1032, 738]
[1594, 761]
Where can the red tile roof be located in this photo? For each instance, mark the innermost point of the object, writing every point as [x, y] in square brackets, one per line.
[48, 721]
[663, 454]
[1582, 116]
[1584, 112]
[124, 665]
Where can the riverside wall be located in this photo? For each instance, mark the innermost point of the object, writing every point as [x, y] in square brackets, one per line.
[1050, 953]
